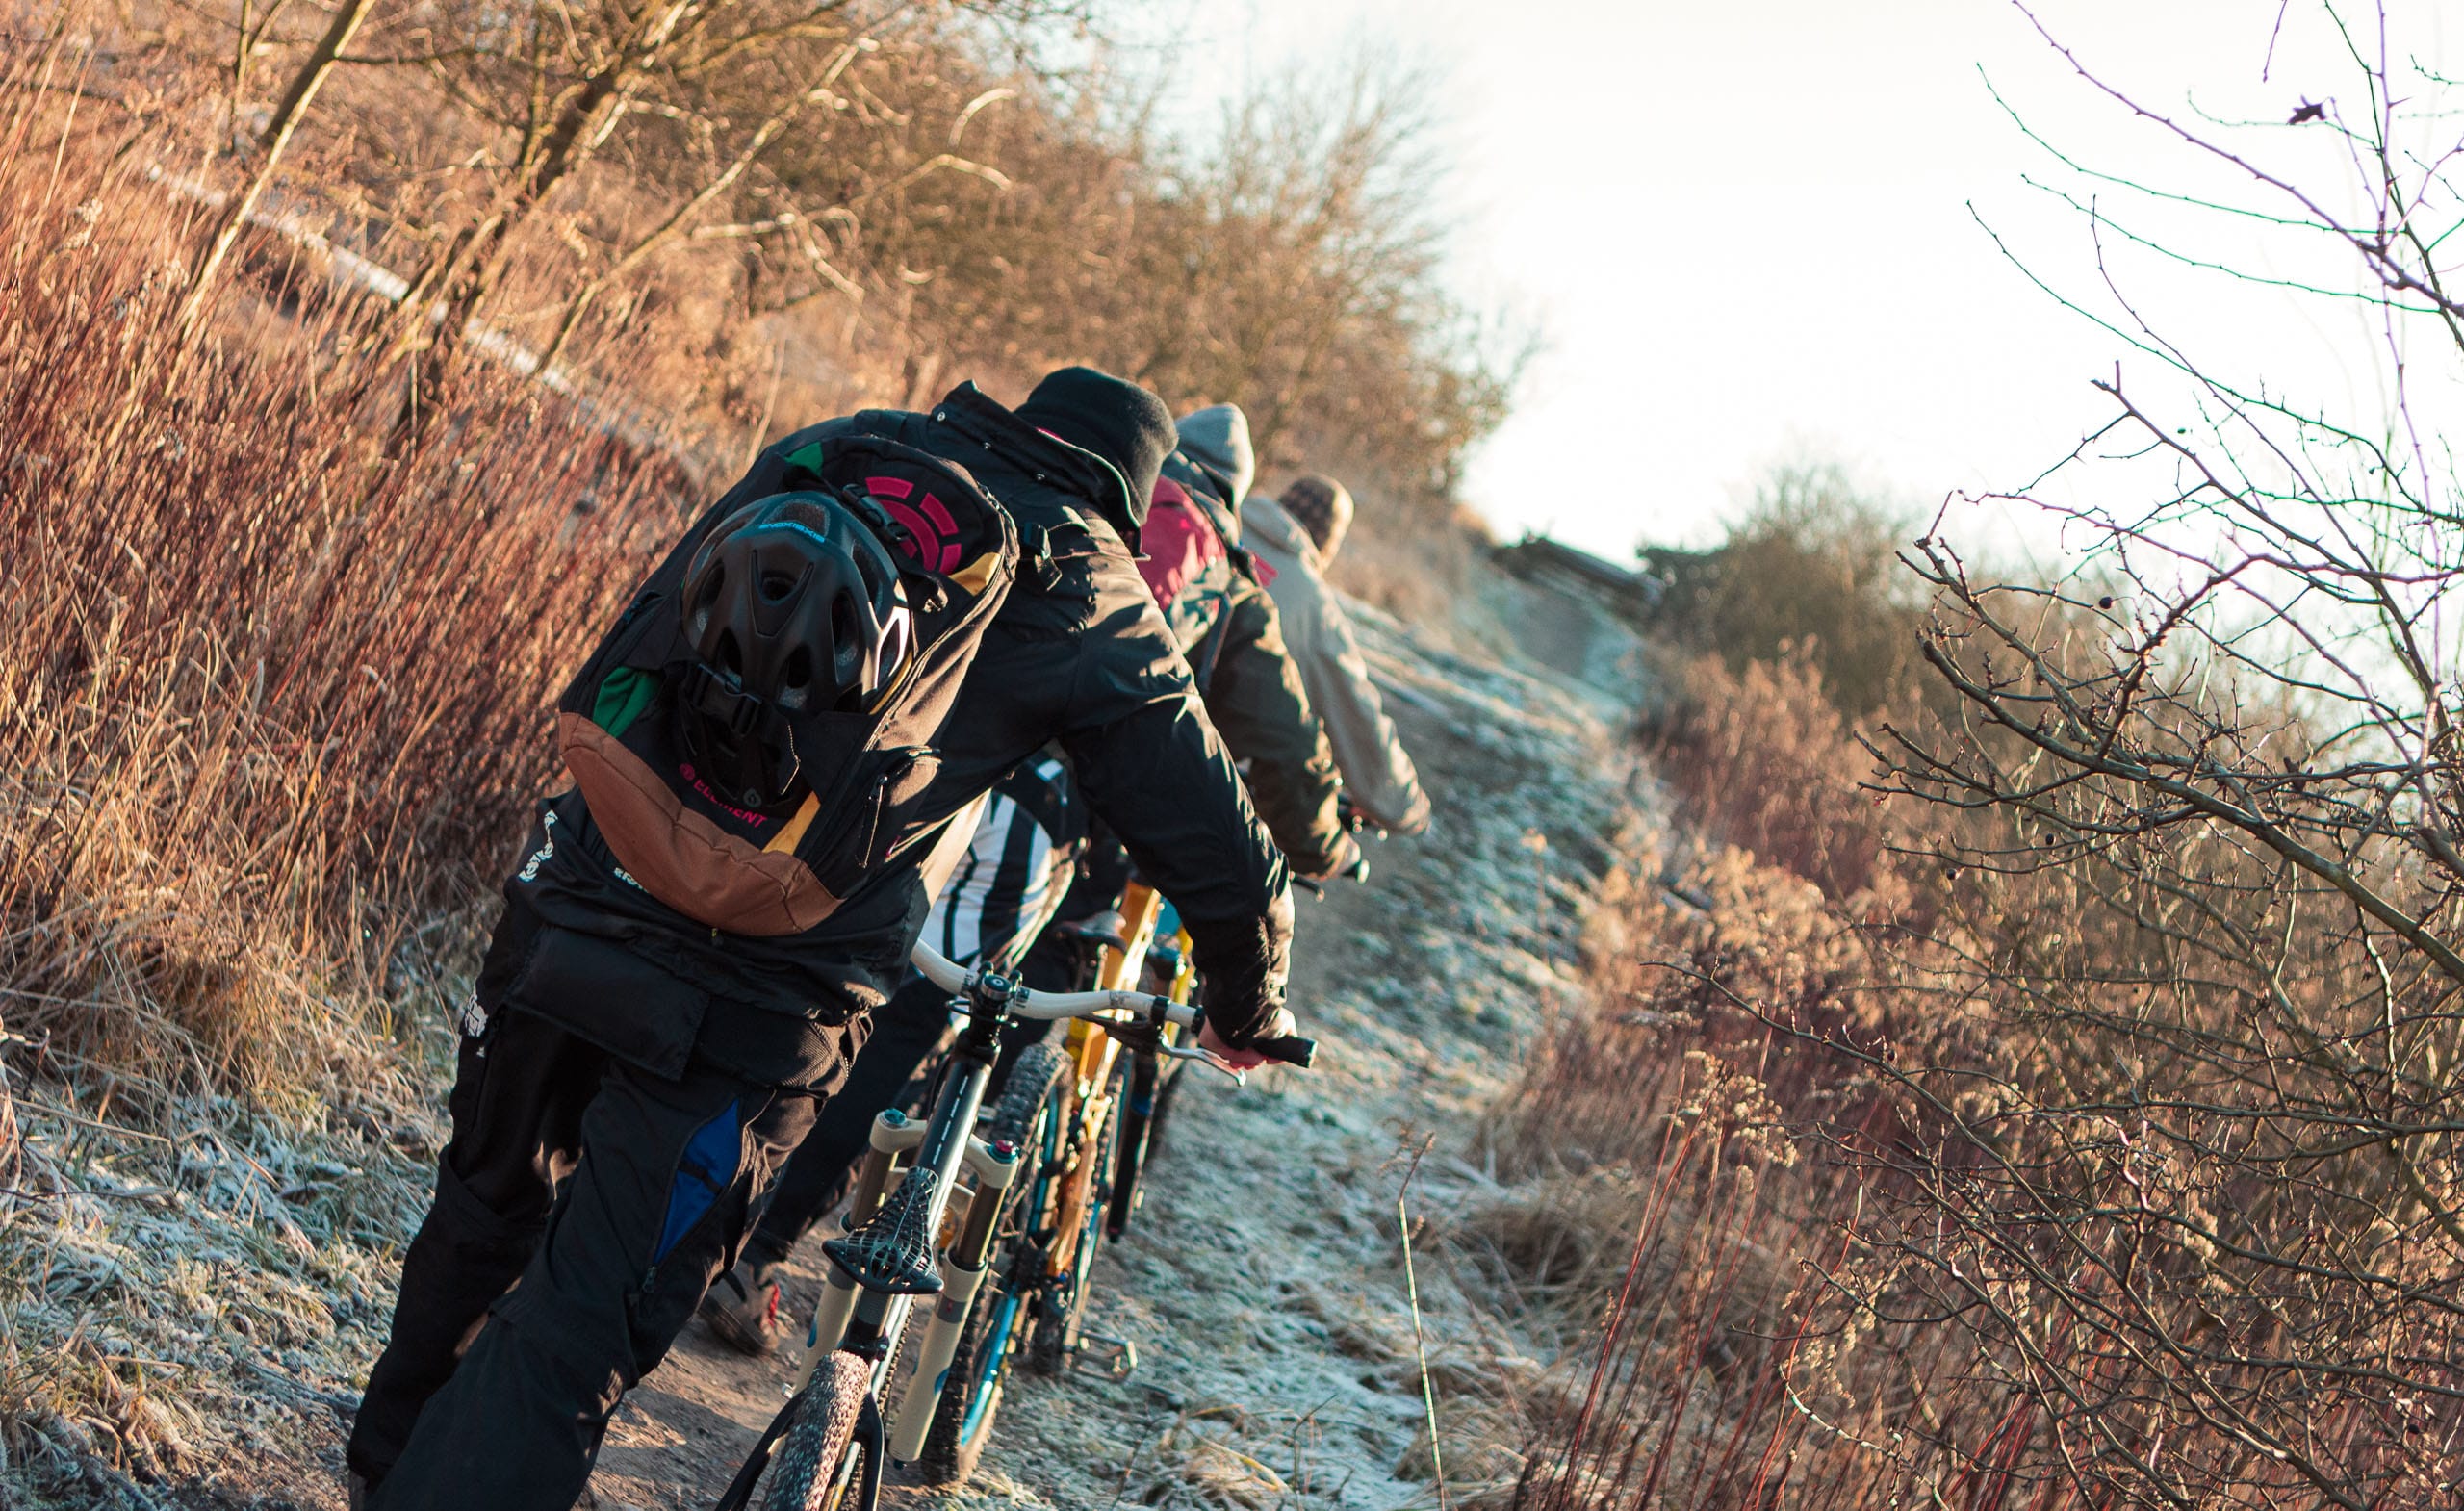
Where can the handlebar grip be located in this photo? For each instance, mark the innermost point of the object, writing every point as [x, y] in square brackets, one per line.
[1291, 1049]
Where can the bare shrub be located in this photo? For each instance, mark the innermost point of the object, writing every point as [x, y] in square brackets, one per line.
[763, 212]
[2201, 1204]
[2140, 1122]
[262, 688]
[1763, 761]
[1810, 569]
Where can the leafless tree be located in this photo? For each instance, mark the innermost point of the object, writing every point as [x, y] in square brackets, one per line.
[2180, 1151]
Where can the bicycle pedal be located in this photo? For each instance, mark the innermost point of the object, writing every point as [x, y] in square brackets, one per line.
[1123, 1353]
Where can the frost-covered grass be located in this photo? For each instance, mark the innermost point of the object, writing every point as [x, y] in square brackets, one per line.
[166, 1298]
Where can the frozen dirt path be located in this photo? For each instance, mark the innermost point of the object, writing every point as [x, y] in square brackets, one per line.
[1263, 1283]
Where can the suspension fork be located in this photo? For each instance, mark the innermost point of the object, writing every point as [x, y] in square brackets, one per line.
[963, 1266]
[848, 1315]
[893, 1133]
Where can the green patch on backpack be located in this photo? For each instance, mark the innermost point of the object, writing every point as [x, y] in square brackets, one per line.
[622, 698]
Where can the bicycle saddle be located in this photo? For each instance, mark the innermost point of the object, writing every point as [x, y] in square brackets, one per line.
[1107, 928]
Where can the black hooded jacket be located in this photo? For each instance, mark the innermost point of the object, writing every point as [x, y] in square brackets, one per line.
[1079, 653]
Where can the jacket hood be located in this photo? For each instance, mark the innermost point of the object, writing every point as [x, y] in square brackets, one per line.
[1216, 438]
[1265, 519]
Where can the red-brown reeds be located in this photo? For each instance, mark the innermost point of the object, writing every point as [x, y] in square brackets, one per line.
[273, 702]
[266, 679]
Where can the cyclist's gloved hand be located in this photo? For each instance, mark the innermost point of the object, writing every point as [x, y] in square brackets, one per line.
[1244, 964]
[1278, 1024]
[1353, 820]
[1345, 862]
[1275, 1043]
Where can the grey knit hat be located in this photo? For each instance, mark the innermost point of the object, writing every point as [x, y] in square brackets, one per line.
[1216, 440]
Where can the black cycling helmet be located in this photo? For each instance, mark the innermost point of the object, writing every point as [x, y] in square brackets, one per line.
[793, 607]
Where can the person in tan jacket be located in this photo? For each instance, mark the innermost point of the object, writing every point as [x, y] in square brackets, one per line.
[1295, 538]
[1213, 598]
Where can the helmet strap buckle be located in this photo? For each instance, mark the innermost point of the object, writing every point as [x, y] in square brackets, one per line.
[716, 697]
[879, 521]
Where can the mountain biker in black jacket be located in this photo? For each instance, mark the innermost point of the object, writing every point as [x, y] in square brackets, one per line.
[1225, 626]
[628, 1080]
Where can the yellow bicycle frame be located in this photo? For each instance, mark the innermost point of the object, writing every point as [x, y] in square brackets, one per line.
[1095, 1052]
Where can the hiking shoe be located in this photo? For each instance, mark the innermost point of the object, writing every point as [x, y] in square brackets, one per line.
[742, 1308]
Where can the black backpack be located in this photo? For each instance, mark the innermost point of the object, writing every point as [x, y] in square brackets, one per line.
[783, 869]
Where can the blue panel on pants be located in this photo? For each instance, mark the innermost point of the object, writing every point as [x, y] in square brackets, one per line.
[708, 1166]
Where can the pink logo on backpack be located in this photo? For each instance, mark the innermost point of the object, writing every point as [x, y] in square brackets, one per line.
[928, 520]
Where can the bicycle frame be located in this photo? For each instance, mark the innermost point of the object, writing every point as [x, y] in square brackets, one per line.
[1095, 1052]
[888, 1257]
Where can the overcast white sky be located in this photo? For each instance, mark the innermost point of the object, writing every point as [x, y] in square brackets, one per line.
[1744, 226]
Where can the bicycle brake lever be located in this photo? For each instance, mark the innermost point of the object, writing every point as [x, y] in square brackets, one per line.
[1148, 1040]
[1206, 1056]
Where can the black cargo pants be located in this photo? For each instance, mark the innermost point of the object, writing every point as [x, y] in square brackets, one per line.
[613, 1196]
[906, 1031]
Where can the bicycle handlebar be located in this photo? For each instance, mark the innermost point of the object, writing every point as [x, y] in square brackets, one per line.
[1297, 1050]
[1291, 1049]
[950, 976]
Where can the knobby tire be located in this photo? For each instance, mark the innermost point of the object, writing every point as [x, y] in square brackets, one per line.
[805, 1475]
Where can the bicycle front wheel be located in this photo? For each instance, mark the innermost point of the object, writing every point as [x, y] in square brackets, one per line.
[815, 1470]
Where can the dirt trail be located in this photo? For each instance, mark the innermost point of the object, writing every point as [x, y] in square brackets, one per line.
[1262, 1284]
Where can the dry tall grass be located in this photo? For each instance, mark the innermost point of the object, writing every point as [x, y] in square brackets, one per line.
[1699, 1142]
[1986, 1184]
[267, 685]
[270, 704]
